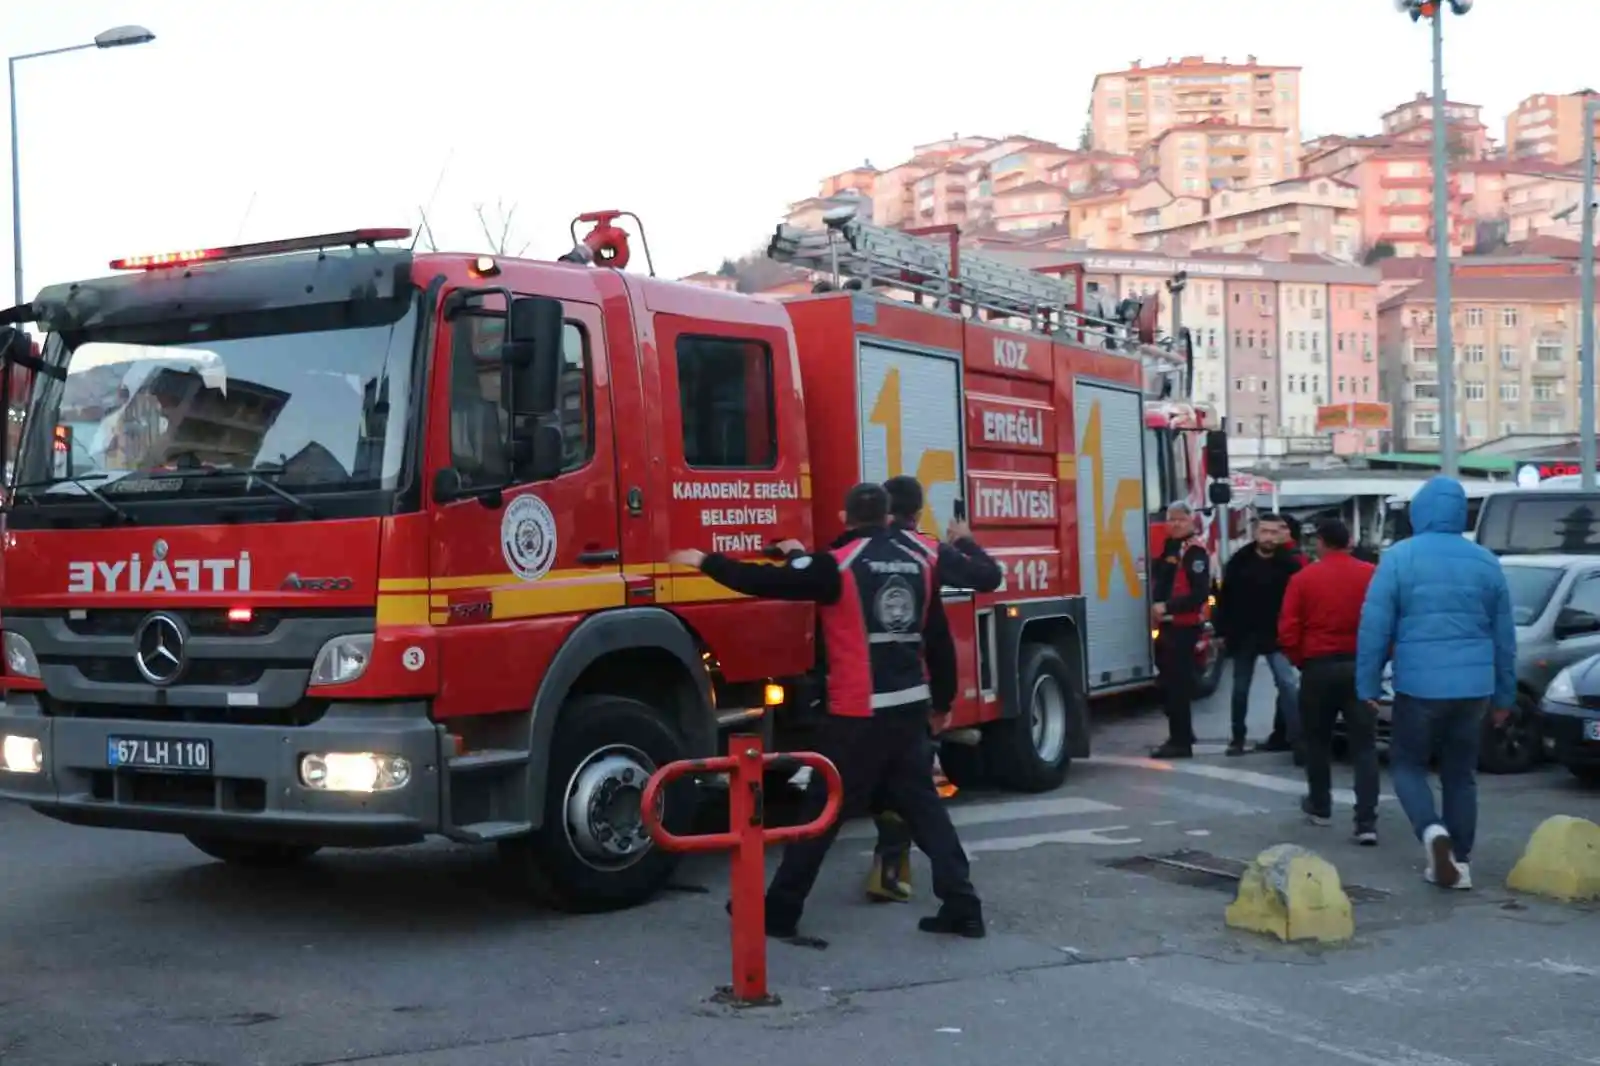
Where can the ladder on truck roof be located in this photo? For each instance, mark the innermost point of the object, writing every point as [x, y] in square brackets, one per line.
[851, 250]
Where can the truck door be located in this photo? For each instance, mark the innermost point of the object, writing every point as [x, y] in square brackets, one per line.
[551, 550]
[737, 482]
[1112, 531]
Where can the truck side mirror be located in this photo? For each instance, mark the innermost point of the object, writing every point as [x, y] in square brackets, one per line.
[1220, 493]
[531, 357]
[1216, 455]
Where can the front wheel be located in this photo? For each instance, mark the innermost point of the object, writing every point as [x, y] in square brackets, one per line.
[593, 852]
[1029, 753]
[1513, 748]
[254, 854]
[1588, 773]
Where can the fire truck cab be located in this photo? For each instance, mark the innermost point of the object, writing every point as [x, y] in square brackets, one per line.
[322, 542]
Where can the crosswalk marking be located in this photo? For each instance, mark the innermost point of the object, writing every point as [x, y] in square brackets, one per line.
[1248, 778]
[964, 815]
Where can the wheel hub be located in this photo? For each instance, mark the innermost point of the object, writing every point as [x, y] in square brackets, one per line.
[604, 807]
[1047, 711]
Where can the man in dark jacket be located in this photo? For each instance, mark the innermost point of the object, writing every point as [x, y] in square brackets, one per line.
[1248, 605]
[1180, 582]
[875, 605]
[1317, 631]
[961, 564]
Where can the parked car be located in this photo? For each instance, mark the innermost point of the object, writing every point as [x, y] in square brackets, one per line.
[1555, 603]
[1569, 718]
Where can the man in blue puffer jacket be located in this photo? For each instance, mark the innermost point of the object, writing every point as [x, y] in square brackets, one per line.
[1438, 607]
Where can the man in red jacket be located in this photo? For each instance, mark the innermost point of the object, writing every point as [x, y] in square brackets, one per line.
[1317, 631]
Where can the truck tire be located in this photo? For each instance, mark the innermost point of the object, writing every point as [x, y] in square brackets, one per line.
[593, 853]
[254, 854]
[1029, 753]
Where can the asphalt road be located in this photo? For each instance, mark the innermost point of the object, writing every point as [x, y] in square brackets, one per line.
[134, 949]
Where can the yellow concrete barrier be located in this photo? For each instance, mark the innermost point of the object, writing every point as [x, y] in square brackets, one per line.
[1561, 861]
[1293, 894]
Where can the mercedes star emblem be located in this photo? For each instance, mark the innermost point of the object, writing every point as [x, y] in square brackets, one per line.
[158, 649]
[160, 550]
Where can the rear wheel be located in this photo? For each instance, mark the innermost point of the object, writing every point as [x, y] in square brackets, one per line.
[255, 854]
[1513, 748]
[593, 851]
[1029, 752]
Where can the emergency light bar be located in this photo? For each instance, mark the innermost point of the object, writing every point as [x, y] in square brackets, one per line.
[351, 238]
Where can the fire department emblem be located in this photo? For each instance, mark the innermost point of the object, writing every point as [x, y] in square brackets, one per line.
[896, 606]
[528, 537]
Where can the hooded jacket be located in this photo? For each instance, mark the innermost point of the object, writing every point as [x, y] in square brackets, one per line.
[1439, 608]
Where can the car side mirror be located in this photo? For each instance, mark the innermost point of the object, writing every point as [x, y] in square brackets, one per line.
[1572, 622]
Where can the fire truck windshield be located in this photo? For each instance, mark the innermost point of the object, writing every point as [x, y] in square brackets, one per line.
[320, 394]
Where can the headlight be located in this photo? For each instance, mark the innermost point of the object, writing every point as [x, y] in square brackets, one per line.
[1560, 689]
[342, 660]
[20, 660]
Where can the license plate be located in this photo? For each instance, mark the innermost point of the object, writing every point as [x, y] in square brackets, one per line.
[1591, 729]
[158, 753]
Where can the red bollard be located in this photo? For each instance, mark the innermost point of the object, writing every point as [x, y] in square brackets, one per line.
[748, 838]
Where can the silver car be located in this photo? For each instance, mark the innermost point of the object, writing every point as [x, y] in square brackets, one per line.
[1555, 603]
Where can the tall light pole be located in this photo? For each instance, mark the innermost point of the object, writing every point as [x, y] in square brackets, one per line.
[1433, 11]
[1586, 401]
[116, 37]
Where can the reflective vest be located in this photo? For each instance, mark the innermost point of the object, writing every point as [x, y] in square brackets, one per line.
[873, 633]
[1183, 582]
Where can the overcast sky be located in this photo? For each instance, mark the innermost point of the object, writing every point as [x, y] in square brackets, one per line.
[266, 120]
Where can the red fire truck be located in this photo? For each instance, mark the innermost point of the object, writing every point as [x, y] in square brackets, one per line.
[322, 542]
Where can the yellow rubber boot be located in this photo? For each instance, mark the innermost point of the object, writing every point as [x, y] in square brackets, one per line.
[889, 880]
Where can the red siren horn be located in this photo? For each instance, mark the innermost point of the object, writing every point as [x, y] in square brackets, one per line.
[607, 244]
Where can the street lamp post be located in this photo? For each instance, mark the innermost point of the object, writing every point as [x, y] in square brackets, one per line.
[1433, 11]
[117, 37]
[1586, 385]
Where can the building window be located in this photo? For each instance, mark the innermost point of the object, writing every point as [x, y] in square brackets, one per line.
[1474, 316]
[1424, 390]
[726, 398]
[1510, 391]
[478, 415]
[1340, 385]
[1544, 391]
[1472, 353]
[1510, 427]
[1549, 353]
[1508, 355]
[1340, 339]
[1424, 424]
[1424, 355]
[1238, 338]
[1508, 317]
[1473, 390]
[1238, 384]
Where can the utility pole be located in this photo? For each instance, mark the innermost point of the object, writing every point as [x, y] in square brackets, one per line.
[1434, 11]
[1586, 383]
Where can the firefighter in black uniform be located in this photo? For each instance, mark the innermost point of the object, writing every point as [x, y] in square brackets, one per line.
[1180, 582]
[960, 564]
[877, 603]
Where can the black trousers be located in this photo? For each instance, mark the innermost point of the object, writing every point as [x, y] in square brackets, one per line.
[1175, 659]
[894, 837]
[1327, 692]
[888, 751]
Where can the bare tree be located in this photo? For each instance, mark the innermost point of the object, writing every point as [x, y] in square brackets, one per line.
[499, 235]
[425, 235]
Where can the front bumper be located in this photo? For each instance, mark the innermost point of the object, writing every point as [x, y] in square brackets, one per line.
[1562, 726]
[254, 789]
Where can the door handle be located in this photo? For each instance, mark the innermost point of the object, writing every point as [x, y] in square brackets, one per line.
[598, 557]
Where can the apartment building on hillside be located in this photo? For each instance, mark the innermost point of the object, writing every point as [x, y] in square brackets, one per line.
[1516, 367]
[1273, 339]
[1549, 127]
[1200, 158]
[1466, 137]
[1314, 216]
[1130, 108]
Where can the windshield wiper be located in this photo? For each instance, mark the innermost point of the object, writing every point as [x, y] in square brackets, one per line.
[257, 473]
[81, 481]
